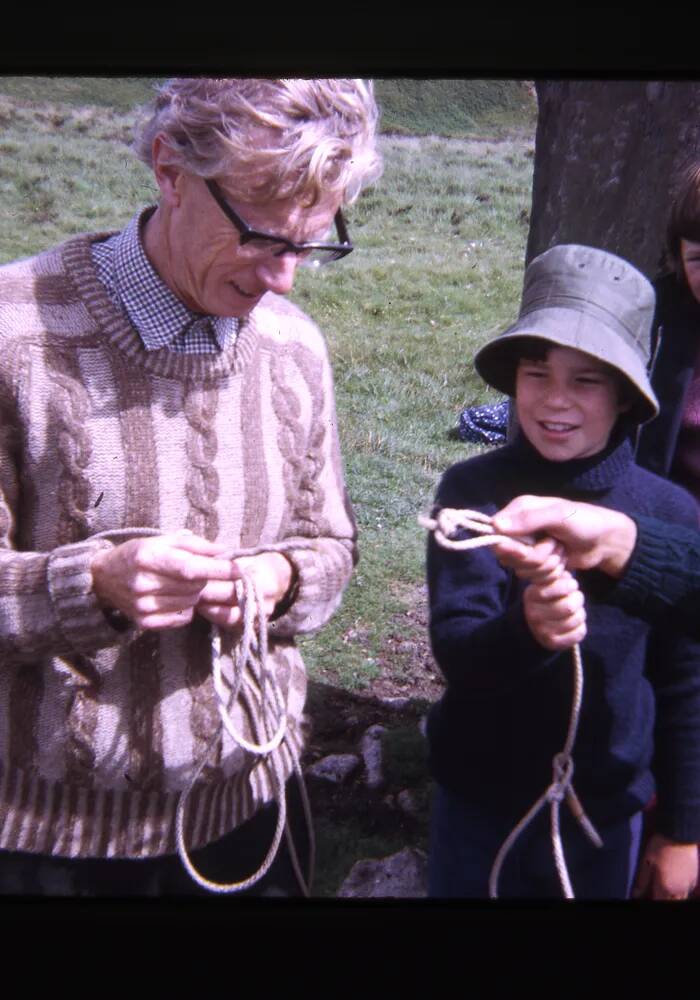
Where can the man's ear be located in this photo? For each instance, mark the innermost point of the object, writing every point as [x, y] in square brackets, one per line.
[168, 176]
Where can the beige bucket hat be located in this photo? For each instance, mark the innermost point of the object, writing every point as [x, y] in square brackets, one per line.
[588, 299]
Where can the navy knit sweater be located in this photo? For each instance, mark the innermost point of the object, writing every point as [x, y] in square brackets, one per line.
[507, 703]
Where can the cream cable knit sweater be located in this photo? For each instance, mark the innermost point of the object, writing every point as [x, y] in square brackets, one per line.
[100, 730]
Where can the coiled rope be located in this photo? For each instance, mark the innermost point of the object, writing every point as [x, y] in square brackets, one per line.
[444, 526]
[256, 685]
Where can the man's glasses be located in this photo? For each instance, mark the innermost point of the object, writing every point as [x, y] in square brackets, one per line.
[309, 254]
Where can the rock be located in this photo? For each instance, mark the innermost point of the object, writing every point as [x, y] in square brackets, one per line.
[407, 803]
[371, 749]
[403, 876]
[336, 767]
[397, 703]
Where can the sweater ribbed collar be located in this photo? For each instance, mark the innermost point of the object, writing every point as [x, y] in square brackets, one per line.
[577, 477]
[119, 334]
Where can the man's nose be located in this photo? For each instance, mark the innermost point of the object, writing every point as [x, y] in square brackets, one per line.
[277, 273]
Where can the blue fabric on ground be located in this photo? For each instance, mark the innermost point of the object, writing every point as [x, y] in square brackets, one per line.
[486, 424]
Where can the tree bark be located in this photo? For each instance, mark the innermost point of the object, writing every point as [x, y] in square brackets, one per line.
[607, 155]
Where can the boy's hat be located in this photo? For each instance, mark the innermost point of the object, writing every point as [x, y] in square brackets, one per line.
[587, 299]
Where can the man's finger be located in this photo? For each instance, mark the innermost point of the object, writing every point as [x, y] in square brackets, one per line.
[187, 565]
[222, 615]
[219, 592]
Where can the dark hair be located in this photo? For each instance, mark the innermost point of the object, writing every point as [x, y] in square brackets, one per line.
[684, 217]
[537, 349]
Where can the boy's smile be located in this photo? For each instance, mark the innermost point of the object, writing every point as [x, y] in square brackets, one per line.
[568, 404]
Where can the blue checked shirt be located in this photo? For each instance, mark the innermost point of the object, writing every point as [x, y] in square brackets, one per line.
[161, 319]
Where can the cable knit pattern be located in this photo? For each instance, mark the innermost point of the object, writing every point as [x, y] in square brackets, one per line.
[68, 412]
[100, 730]
[202, 478]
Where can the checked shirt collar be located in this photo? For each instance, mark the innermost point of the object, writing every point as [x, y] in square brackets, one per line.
[160, 318]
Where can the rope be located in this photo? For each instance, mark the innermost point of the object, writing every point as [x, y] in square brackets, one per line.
[254, 684]
[269, 715]
[444, 526]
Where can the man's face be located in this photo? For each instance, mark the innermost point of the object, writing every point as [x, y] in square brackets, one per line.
[567, 405]
[690, 255]
[201, 257]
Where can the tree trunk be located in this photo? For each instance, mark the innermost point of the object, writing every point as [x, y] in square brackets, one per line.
[606, 157]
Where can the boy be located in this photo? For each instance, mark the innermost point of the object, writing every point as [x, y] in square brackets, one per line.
[575, 361]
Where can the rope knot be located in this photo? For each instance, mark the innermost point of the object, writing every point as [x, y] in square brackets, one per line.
[563, 770]
[446, 523]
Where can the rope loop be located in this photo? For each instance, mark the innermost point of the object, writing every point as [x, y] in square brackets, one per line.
[253, 685]
[445, 524]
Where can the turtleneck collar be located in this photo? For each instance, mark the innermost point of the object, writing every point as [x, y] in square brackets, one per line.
[578, 476]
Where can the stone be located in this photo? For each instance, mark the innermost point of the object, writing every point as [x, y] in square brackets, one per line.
[336, 767]
[371, 750]
[407, 803]
[399, 704]
[399, 876]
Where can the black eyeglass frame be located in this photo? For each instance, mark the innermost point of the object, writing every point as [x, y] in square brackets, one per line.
[247, 234]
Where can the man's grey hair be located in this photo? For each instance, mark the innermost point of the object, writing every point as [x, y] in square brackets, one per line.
[269, 139]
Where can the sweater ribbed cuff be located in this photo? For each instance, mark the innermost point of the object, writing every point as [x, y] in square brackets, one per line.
[321, 577]
[646, 582]
[680, 822]
[79, 614]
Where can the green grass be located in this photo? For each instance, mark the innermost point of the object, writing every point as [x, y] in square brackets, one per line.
[117, 93]
[437, 270]
[455, 108]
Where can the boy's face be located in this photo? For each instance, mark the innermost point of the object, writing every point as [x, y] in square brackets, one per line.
[690, 255]
[567, 405]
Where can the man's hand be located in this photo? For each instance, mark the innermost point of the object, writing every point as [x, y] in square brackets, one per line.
[157, 582]
[555, 612]
[272, 573]
[668, 870]
[594, 537]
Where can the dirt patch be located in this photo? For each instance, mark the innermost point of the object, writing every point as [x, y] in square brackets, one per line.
[405, 660]
[354, 822]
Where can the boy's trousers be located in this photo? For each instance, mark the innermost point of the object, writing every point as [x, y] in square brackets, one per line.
[464, 842]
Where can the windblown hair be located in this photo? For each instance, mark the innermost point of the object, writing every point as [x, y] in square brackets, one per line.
[684, 217]
[269, 139]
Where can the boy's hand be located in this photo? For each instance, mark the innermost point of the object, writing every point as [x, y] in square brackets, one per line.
[668, 870]
[273, 575]
[541, 562]
[555, 612]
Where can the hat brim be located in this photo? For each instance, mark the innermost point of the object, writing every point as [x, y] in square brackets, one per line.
[568, 328]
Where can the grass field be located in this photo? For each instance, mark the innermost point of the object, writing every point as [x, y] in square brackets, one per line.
[437, 270]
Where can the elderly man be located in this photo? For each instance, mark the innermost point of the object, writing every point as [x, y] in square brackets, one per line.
[164, 409]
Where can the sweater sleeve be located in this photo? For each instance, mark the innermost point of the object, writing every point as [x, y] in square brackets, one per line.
[479, 635]
[321, 522]
[674, 670]
[47, 602]
[662, 579]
